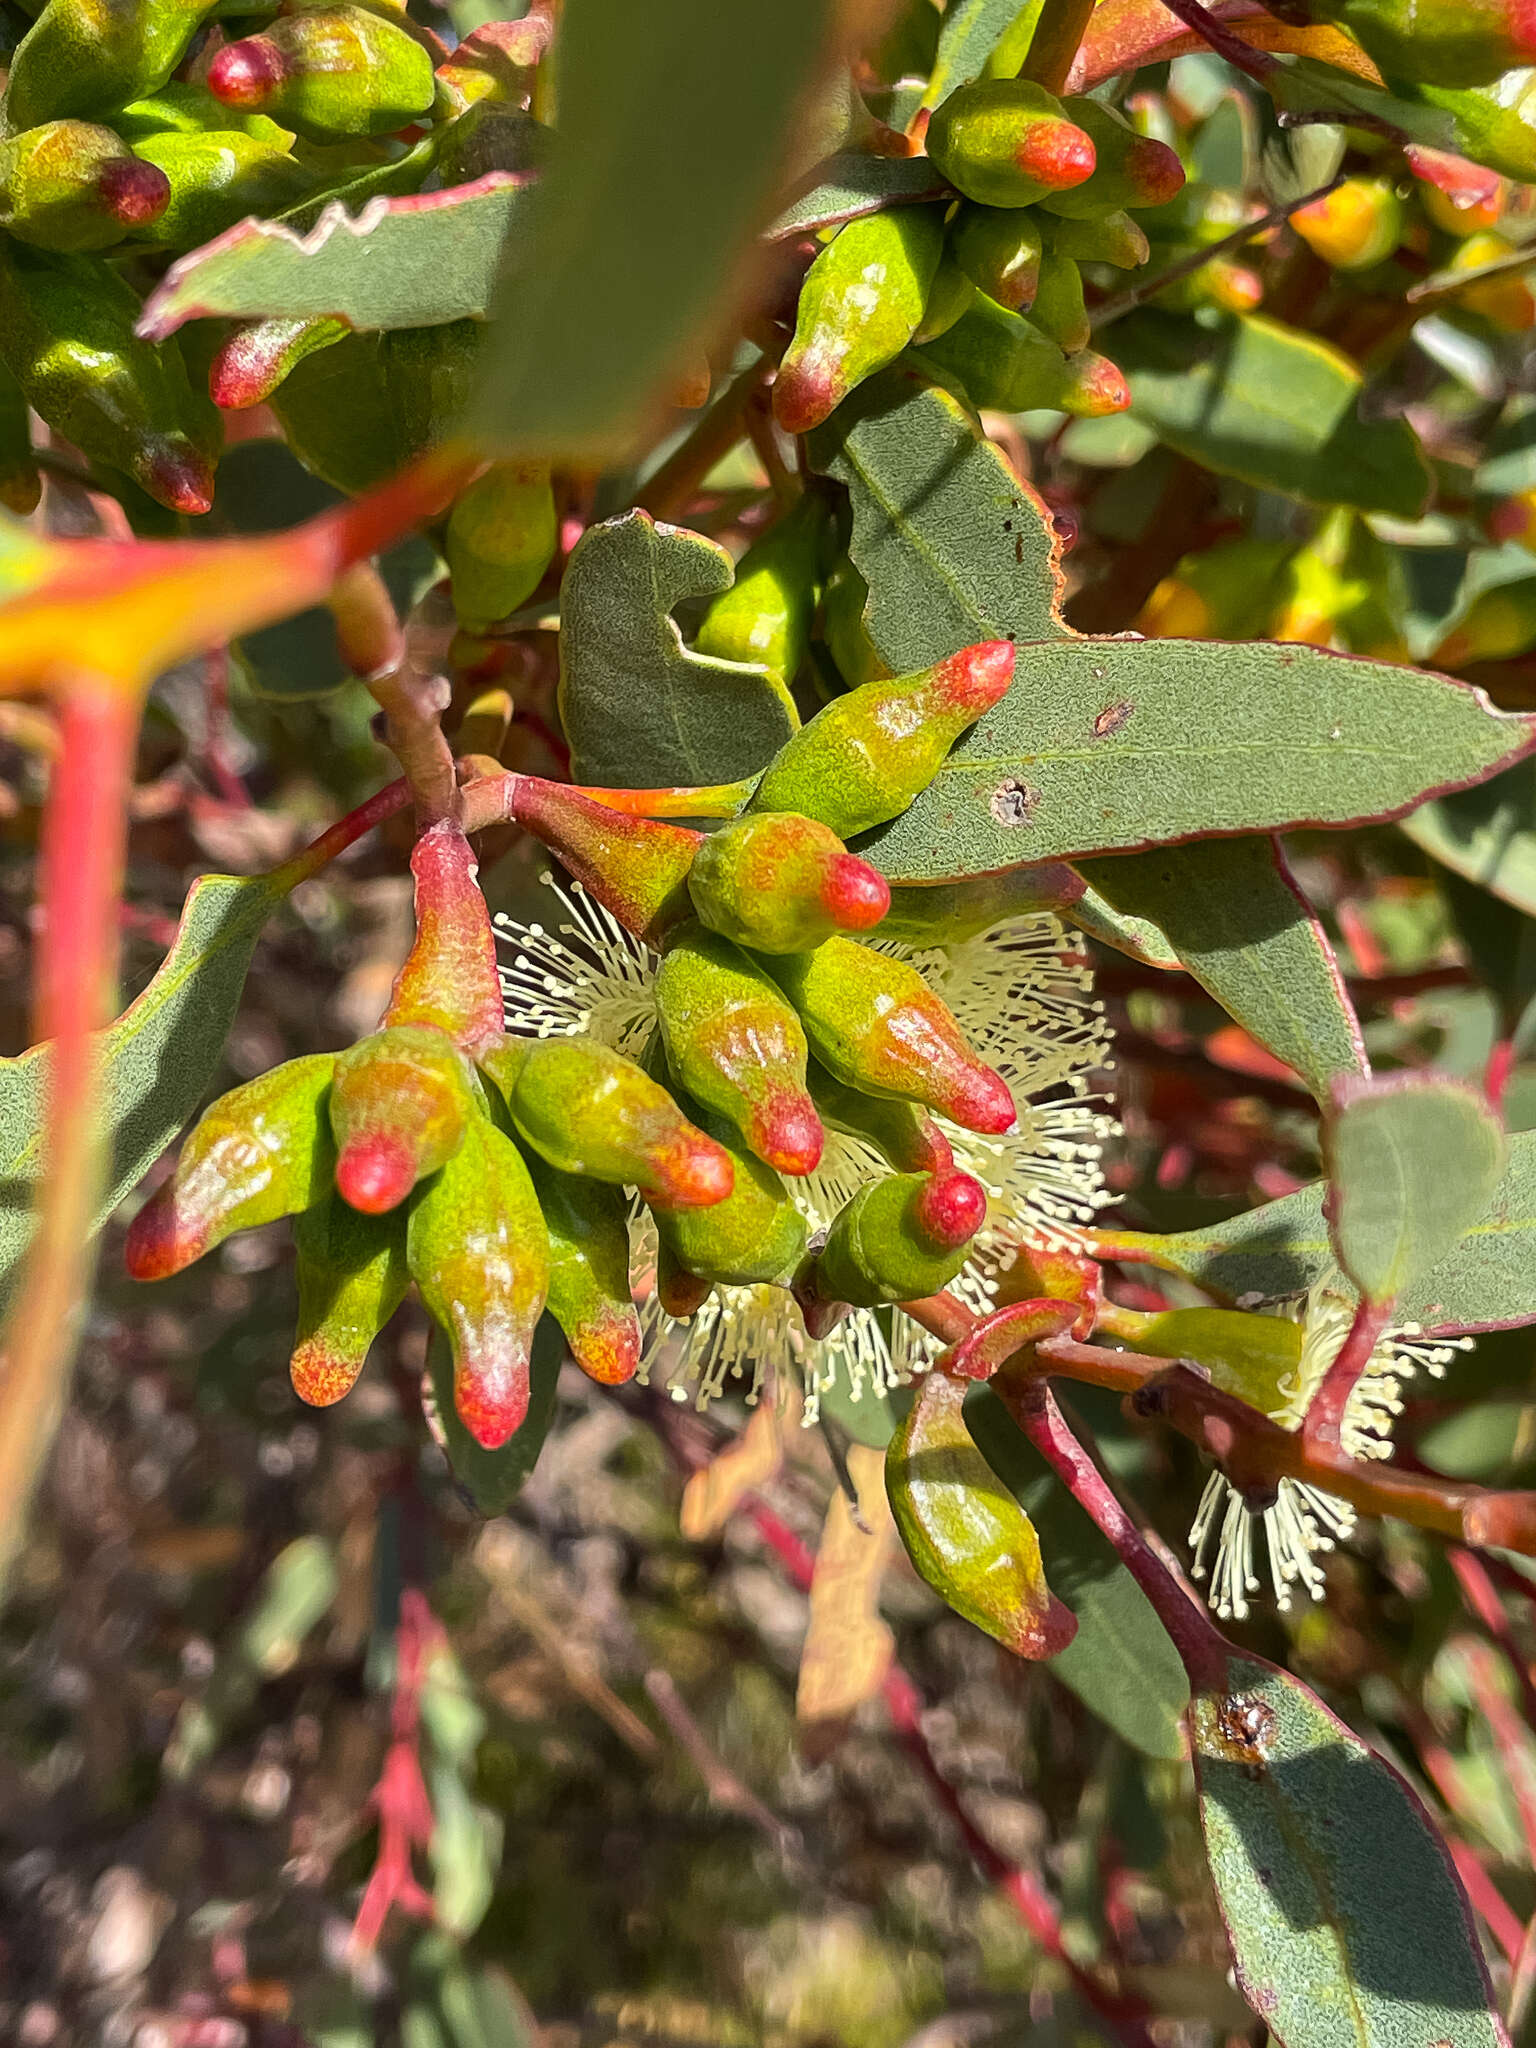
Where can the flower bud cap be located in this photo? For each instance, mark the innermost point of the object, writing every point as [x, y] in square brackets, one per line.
[1154, 170]
[951, 1209]
[375, 1173]
[175, 474]
[1056, 154]
[247, 73]
[974, 679]
[788, 1134]
[855, 896]
[133, 192]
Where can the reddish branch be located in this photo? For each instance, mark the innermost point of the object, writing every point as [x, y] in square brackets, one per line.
[400, 1797]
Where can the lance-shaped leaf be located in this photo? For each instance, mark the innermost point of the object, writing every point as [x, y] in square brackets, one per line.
[1349, 1928]
[1275, 407]
[1413, 1161]
[852, 183]
[1237, 920]
[1106, 744]
[1120, 1663]
[156, 1060]
[964, 1532]
[413, 262]
[1487, 1281]
[1487, 834]
[494, 1479]
[971, 31]
[660, 180]
[954, 548]
[639, 708]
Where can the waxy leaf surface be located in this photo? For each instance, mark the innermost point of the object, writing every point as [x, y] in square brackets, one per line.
[1349, 1927]
[413, 262]
[1106, 743]
[1236, 919]
[1412, 1161]
[1274, 407]
[972, 29]
[639, 708]
[1487, 1281]
[853, 183]
[1487, 834]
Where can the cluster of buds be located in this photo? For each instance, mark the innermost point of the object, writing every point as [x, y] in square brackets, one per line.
[497, 1172]
[989, 289]
[132, 134]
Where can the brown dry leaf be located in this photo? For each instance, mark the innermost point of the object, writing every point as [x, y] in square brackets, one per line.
[848, 1648]
[747, 1462]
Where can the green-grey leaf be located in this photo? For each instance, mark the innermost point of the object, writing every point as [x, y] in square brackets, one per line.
[1487, 834]
[1240, 925]
[494, 1479]
[1486, 1282]
[1348, 1925]
[1103, 744]
[412, 262]
[1275, 407]
[156, 1060]
[1121, 1663]
[1137, 937]
[953, 547]
[1413, 1162]
[674, 123]
[972, 29]
[640, 710]
[853, 183]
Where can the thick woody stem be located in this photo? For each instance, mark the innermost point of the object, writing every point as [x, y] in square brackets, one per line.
[412, 700]
[1055, 43]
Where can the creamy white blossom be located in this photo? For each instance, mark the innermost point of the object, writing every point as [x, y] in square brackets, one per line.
[1025, 1007]
[1304, 1522]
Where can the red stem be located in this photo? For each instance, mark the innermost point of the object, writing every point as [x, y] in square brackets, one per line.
[1324, 1425]
[1258, 64]
[1481, 1596]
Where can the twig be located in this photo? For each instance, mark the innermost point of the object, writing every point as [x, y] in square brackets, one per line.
[725, 1789]
[1323, 1427]
[1510, 1735]
[1258, 64]
[1445, 284]
[1482, 1597]
[679, 477]
[1127, 301]
[1053, 47]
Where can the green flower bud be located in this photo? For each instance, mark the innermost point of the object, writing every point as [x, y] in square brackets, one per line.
[843, 600]
[84, 58]
[352, 1278]
[20, 484]
[1113, 238]
[861, 302]
[1059, 310]
[964, 1531]
[1254, 1357]
[1132, 170]
[357, 412]
[781, 884]
[181, 108]
[260, 1152]
[737, 1046]
[865, 757]
[950, 295]
[250, 363]
[449, 978]
[878, 1026]
[399, 1105]
[999, 249]
[587, 1110]
[329, 72]
[951, 912]
[589, 1294]
[215, 179]
[1008, 142]
[637, 868]
[72, 186]
[67, 336]
[755, 1235]
[1005, 361]
[900, 1239]
[1448, 43]
[478, 1251]
[502, 535]
[899, 1131]
[766, 615]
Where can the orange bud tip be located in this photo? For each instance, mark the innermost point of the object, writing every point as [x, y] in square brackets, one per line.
[375, 1174]
[804, 396]
[243, 372]
[951, 1209]
[493, 1399]
[175, 474]
[695, 1176]
[134, 192]
[1056, 154]
[789, 1135]
[246, 73]
[975, 678]
[856, 895]
[1155, 171]
[608, 1348]
[157, 1246]
[1512, 520]
[1101, 389]
[320, 1376]
[982, 1102]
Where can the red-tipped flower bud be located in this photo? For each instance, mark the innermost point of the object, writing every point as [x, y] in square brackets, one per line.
[780, 883]
[864, 758]
[399, 1104]
[352, 1278]
[1006, 142]
[589, 1296]
[449, 978]
[635, 867]
[899, 1239]
[329, 72]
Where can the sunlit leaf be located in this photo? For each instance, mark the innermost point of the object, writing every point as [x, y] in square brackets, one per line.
[1487, 834]
[853, 183]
